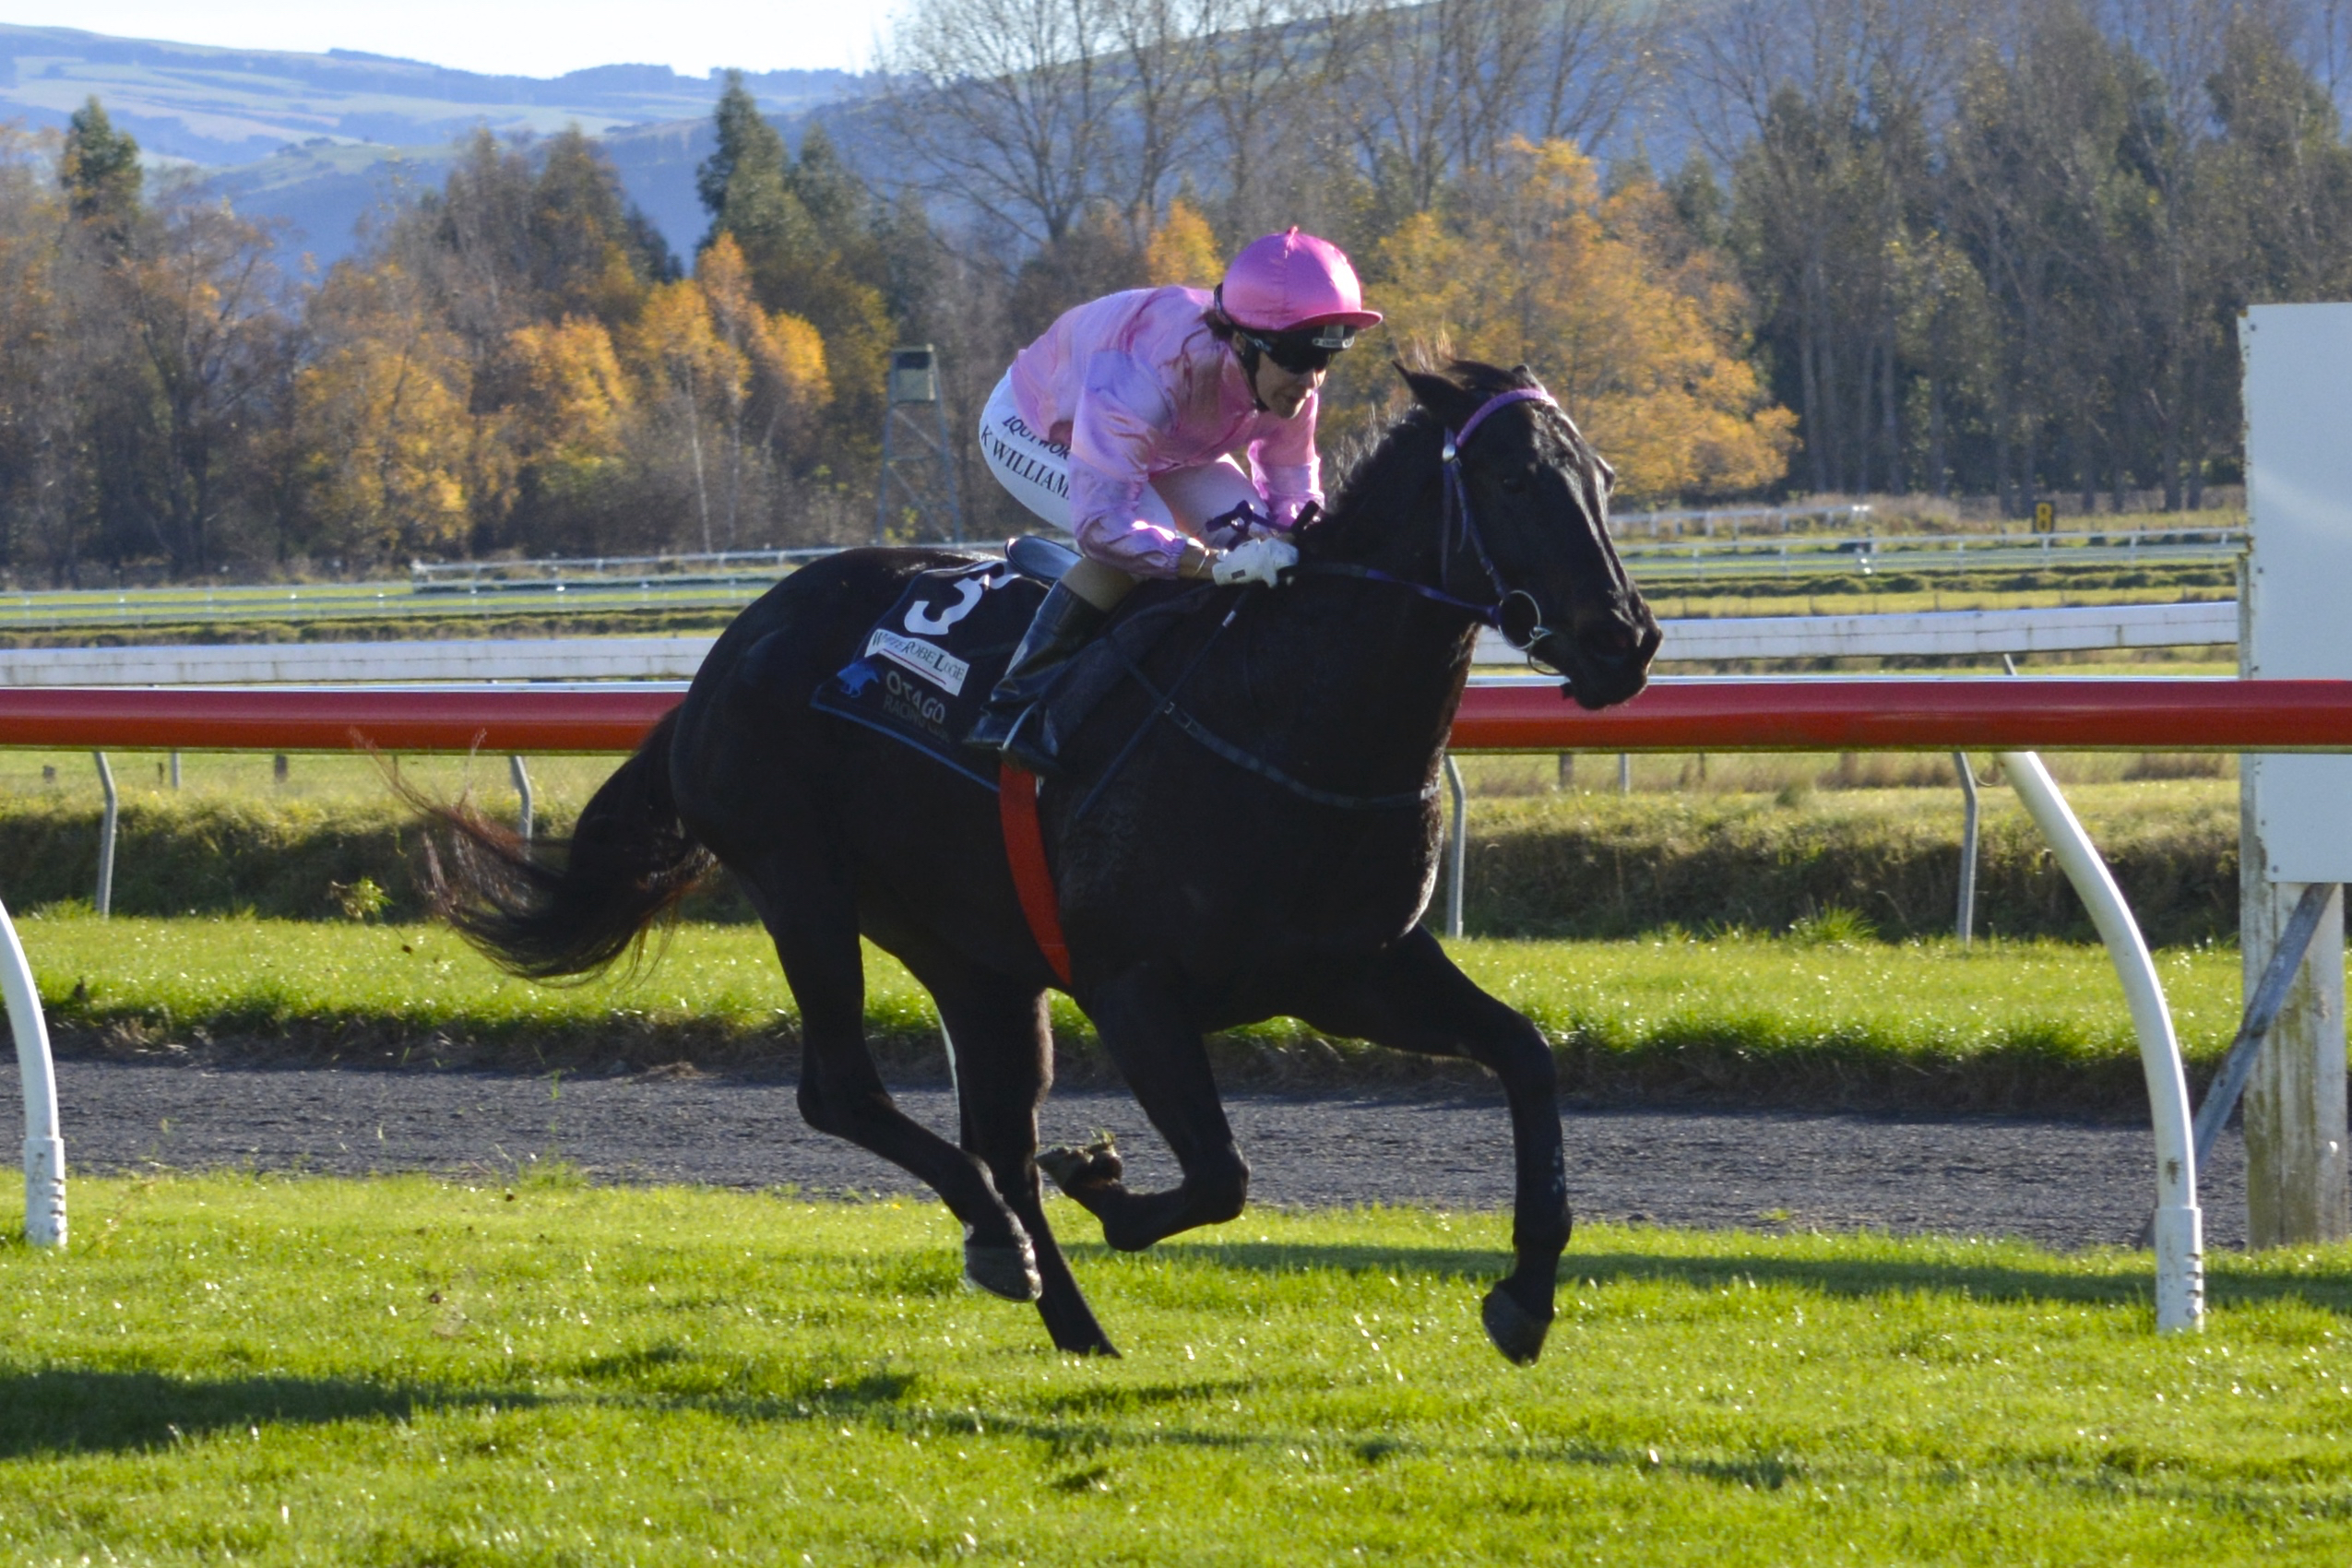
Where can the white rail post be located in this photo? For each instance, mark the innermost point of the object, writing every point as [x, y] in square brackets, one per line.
[2180, 1227]
[522, 787]
[105, 900]
[1967, 920]
[44, 1150]
[1458, 852]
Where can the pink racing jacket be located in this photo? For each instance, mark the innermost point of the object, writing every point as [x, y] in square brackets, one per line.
[1137, 386]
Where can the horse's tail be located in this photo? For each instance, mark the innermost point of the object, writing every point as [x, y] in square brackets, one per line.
[628, 859]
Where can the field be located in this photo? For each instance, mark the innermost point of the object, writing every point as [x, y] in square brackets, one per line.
[404, 1371]
[1814, 1018]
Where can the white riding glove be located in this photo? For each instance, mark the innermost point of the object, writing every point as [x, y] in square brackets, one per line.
[1259, 561]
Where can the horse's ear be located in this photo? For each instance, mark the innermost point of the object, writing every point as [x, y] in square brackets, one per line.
[1525, 376]
[1439, 395]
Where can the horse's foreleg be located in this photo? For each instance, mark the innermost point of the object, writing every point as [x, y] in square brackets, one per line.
[814, 922]
[1002, 1051]
[1143, 1026]
[1412, 998]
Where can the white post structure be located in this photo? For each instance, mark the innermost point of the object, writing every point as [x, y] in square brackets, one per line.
[105, 898]
[44, 1150]
[523, 789]
[1457, 853]
[2180, 1227]
[2296, 811]
[1966, 919]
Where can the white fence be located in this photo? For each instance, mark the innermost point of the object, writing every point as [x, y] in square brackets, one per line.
[1726, 640]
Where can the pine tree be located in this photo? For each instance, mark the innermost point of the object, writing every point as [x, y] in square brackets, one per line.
[100, 168]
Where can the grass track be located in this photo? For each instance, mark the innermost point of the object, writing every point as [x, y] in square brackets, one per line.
[406, 1371]
[2019, 1026]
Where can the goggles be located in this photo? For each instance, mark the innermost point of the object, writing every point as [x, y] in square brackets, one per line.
[1303, 350]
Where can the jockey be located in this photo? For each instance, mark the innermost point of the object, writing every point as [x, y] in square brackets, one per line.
[1172, 431]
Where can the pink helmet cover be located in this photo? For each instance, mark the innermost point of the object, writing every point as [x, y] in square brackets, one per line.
[1292, 279]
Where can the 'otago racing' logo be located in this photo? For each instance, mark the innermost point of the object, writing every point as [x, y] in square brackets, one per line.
[905, 700]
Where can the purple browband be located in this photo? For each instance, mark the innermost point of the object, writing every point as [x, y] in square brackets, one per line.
[1499, 400]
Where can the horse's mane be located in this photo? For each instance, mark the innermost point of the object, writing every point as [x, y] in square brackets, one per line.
[1383, 470]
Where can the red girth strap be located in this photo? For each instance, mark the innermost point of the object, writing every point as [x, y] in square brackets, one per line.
[1025, 848]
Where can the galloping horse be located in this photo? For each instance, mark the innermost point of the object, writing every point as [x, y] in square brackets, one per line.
[1202, 886]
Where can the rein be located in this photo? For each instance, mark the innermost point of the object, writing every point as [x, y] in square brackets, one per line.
[1164, 705]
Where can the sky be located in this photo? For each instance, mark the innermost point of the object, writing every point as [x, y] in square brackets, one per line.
[530, 38]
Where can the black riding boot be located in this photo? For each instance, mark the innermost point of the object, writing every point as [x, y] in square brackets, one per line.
[1010, 724]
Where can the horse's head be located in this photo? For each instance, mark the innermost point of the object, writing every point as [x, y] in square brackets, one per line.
[1535, 539]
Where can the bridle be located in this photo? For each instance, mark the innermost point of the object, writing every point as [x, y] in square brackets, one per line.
[1522, 629]
[1459, 512]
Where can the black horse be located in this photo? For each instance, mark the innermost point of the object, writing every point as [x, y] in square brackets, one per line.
[1198, 892]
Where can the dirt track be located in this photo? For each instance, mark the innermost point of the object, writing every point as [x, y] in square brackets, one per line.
[2062, 1183]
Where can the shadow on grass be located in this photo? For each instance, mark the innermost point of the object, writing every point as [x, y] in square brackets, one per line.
[70, 1412]
[2127, 1278]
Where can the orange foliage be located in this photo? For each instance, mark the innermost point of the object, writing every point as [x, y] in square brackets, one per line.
[1184, 249]
[1646, 353]
[381, 418]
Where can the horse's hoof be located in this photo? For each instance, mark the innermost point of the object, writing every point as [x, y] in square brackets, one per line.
[1516, 1332]
[1096, 1165]
[1006, 1272]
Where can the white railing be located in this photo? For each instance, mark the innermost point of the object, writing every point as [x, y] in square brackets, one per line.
[1956, 633]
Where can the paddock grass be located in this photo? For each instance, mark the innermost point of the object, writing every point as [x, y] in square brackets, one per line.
[1812, 1018]
[406, 1371]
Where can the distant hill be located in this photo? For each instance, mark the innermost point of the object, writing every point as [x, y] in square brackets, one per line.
[318, 139]
[321, 191]
[224, 106]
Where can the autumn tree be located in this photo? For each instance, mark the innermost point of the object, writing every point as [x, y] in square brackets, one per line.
[39, 381]
[1647, 353]
[806, 233]
[387, 446]
[1184, 250]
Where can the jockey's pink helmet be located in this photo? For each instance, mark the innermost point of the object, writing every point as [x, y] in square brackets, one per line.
[1289, 281]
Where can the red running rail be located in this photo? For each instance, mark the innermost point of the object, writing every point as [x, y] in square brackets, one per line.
[1994, 713]
[1688, 715]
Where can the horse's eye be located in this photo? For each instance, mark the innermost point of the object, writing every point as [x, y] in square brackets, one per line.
[1515, 483]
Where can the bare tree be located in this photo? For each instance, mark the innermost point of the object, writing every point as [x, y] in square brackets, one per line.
[1004, 105]
[1253, 62]
[1161, 104]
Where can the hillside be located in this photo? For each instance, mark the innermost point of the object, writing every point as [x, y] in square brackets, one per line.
[321, 189]
[317, 139]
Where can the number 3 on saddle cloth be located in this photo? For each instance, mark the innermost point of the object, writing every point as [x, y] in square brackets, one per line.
[929, 663]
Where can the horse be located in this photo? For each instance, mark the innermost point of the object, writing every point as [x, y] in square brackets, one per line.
[1203, 886]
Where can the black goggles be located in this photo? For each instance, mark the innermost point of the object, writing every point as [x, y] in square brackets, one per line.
[1304, 352]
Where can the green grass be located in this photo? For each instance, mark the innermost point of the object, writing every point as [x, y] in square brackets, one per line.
[1704, 841]
[1596, 864]
[404, 1371]
[1802, 1020]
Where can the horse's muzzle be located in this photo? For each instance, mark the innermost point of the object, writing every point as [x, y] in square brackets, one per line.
[1605, 665]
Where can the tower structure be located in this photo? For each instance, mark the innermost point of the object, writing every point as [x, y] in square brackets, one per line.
[916, 498]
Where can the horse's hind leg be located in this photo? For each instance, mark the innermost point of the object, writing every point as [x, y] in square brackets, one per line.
[1143, 1027]
[812, 919]
[1412, 998]
[1003, 1057]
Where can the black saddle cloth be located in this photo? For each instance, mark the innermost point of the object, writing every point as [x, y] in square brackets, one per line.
[929, 663]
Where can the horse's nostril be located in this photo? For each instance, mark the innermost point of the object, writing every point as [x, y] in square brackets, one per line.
[1607, 645]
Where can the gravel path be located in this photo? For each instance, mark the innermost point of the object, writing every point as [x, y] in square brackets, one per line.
[2062, 1183]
